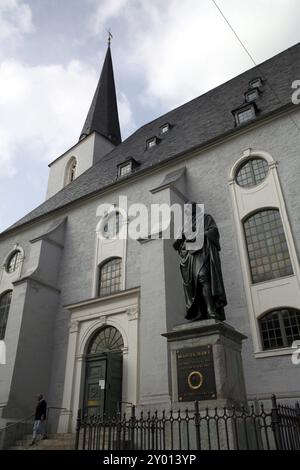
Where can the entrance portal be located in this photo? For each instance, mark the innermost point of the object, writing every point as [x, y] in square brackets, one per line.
[103, 376]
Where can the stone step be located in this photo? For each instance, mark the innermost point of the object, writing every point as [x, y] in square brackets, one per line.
[53, 442]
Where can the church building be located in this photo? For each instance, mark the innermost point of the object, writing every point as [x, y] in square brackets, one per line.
[83, 317]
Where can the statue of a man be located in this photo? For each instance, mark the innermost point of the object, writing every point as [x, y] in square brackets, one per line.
[201, 270]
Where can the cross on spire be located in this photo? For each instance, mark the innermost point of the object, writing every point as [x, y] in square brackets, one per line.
[110, 37]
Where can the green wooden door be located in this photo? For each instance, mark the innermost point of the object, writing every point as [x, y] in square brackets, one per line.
[113, 392]
[103, 384]
[94, 396]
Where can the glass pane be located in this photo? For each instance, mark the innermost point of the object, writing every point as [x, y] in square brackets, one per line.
[280, 328]
[125, 170]
[272, 336]
[110, 277]
[112, 227]
[106, 340]
[252, 172]
[267, 248]
[291, 321]
[244, 116]
[5, 301]
[13, 262]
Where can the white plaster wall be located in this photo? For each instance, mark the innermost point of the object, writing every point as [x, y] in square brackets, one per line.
[87, 152]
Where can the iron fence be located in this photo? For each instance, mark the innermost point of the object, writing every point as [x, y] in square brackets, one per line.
[248, 428]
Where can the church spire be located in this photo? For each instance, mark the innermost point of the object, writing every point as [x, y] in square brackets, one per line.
[103, 113]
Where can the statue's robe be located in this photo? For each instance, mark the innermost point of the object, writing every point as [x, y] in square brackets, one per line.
[202, 265]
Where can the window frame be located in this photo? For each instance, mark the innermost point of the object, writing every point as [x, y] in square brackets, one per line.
[280, 311]
[73, 162]
[115, 213]
[128, 162]
[122, 167]
[102, 351]
[17, 252]
[155, 140]
[166, 126]
[250, 106]
[6, 312]
[120, 269]
[252, 91]
[243, 164]
[251, 276]
[256, 83]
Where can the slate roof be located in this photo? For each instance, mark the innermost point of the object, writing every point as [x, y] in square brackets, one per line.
[195, 124]
[103, 114]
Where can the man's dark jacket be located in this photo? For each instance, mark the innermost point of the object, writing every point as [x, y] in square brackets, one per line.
[40, 411]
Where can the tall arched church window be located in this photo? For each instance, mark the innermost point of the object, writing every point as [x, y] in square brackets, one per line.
[268, 252]
[110, 277]
[5, 301]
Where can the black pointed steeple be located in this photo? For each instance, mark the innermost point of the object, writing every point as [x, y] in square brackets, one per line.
[103, 113]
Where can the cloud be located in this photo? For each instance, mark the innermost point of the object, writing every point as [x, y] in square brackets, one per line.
[43, 109]
[15, 19]
[183, 49]
[105, 10]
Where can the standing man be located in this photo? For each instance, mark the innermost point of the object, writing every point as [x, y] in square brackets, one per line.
[39, 419]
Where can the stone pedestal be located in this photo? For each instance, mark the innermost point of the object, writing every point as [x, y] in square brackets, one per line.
[208, 381]
[206, 365]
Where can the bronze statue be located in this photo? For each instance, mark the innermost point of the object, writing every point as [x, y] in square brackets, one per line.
[201, 271]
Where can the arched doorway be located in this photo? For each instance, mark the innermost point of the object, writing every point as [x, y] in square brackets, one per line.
[103, 375]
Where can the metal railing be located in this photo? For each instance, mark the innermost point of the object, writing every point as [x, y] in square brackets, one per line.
[227, 428]
[13, 432]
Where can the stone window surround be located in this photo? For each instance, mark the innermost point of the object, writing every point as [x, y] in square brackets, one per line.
[277, 293]
[106, 249]
[7, 279]
[71, 167]
[119, 310]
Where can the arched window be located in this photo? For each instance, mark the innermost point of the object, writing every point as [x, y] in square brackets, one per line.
[111, 226]
[252, 172]
[110, 277]
[108, 339]
[268, 252]
[280, 328]
[5, 301]
[13, 261]
[71, 171]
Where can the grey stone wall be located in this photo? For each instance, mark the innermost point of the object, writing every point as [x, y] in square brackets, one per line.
[207, 175]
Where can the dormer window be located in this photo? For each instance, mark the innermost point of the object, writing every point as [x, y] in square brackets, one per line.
[165, 128]
[152, 142]
[245, 114]
[256, 83]
[127, 167]
[252, 95]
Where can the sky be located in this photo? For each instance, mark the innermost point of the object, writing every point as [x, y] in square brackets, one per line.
[164, 54]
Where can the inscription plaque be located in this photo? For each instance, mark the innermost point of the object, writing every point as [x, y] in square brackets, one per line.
[196, 374]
